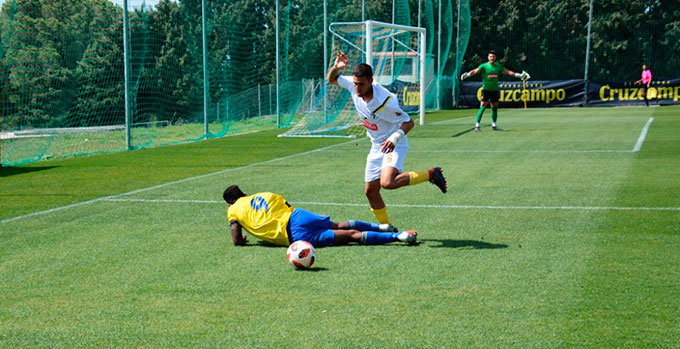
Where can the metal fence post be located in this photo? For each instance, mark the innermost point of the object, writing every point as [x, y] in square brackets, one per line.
[126, 67]
[278, 70]
[259, 101]
[585, 75]
[206, 83]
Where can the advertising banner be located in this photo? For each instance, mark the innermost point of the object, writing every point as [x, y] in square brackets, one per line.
[408, 94]
[514, 94]
[613, 93]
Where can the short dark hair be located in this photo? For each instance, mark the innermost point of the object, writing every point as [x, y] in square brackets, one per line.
[492, 52]
[363, 70]
[232, 194]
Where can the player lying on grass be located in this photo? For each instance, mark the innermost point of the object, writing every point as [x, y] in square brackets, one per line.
[490, 92]
[386, 125]
[269, 217]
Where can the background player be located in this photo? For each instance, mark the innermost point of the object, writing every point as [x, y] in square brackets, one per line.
[490, 92]
[269, 217]
[646, 80]
[387, 125]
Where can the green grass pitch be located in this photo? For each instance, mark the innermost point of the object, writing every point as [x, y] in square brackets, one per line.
[561, 231]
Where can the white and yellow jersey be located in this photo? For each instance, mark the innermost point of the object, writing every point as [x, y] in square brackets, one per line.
[265, 215]
[382, 115]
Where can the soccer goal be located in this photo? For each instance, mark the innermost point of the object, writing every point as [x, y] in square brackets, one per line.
[397, 55]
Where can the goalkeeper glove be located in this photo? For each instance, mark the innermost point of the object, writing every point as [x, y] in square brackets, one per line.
[465, 76]
[524, 75]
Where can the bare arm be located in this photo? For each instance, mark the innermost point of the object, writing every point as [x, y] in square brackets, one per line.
[524, 75]
[340, 62]
[473, 72]
[508, 72]
[237, 237]
[407, 126]
[470, 73]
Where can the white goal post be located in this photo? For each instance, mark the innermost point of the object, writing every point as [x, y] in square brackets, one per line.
[397, 54]
[420, 53]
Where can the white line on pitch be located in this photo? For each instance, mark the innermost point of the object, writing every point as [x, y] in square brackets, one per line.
[503, 151]
[495, 207]
[171, 201]
[643, 135]
[108, 198]
[523, 151]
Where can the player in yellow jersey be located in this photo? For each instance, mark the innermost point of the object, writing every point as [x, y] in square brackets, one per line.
[269, 217]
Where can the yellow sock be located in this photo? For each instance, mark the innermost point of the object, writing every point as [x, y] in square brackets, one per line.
[381, 215]
[417, 177]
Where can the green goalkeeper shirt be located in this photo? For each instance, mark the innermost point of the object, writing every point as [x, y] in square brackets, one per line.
[490, 73]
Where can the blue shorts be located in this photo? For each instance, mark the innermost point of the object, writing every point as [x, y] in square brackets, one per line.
[310, 227]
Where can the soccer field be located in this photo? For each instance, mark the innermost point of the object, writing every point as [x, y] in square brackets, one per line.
[561, 230]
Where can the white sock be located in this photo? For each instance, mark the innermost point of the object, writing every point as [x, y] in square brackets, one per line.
[493, 124]
[476, 124]
[386, 227]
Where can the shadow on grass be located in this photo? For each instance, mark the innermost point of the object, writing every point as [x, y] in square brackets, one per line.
[11, 171]
[262, 243]
[312, 270]
[463, 132]
[473, 244]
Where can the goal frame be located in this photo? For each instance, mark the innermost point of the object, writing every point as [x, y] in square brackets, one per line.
[369, 25]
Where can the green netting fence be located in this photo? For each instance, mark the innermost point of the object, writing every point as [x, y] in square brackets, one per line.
[549, 38]
[63, 62]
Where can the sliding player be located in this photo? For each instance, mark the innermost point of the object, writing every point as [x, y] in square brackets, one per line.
[387, 126]
[490, 92]
[269, 217]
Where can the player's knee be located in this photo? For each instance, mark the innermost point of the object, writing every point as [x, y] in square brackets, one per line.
[349, 235]
[356, 236]
[388, 183]
[372, 191]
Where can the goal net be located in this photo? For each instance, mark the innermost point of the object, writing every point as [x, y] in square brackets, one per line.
[397, 55]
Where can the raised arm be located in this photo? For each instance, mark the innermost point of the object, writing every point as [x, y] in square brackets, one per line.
[340, 62]
[237, 237]
[523, 75]
[508, 72]
[472, 72]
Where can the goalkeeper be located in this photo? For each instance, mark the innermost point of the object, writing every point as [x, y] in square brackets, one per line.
[269, 217]
[386, 125]
[490, 92]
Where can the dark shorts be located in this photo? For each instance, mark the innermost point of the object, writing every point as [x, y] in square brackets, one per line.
[310, 227]
[492, 96]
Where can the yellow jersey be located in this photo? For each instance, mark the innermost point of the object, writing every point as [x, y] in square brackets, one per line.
[265, 215]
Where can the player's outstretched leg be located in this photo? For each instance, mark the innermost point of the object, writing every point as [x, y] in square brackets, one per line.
[410, 236]
[434, 175]
[437, 178]
[365, 226]
[379, 238]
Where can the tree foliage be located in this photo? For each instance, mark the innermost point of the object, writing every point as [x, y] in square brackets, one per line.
[61, 61]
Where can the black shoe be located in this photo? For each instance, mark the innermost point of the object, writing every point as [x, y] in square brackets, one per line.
[496, 128]
[437, 178]
[477, 129]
